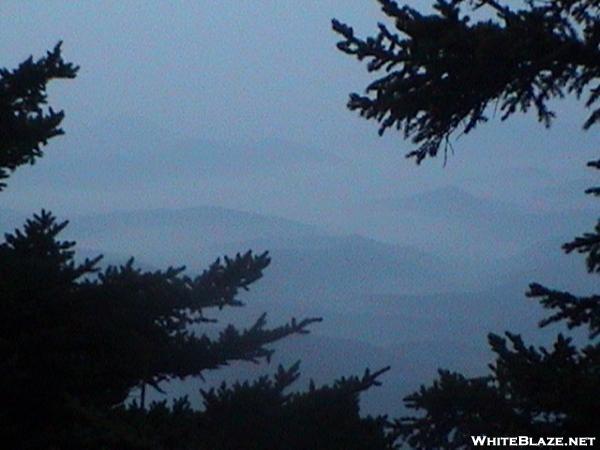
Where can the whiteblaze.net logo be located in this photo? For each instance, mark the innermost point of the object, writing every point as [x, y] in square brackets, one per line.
[527, 441]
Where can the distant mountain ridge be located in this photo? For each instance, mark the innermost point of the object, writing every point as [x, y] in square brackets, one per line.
[488, 221]
[307, 260]
[381, 303]
[188, 236]
[449, 200]
[126, 148]
[312, 262]
[457, 202]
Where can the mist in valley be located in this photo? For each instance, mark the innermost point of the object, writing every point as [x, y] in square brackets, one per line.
[201, 129]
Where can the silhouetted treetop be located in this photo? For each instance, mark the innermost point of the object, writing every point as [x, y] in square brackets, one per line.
[95, 334]
[262, 415]
[442, 73]
[25, 123]
[443, 70]
[78, 341]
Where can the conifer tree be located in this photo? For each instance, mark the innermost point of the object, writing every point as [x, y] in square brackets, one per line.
[442, 73]
[77, 340]
[25, 124]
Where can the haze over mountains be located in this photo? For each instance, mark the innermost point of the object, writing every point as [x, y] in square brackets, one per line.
[414, 306]
[184, 142]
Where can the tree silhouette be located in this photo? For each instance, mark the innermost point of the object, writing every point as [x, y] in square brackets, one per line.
[443, 71]
[261, 416]
[25, 126]
[76, 340]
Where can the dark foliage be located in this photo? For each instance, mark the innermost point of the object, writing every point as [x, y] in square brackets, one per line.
[442, 73]
[71, 331]
[92, 325]
[257, 415]
[25, 124]
[444, 70]
[536, 392]
[77, 340]
[321, 418]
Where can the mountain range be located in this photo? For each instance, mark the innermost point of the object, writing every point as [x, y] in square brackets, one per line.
[383, 303]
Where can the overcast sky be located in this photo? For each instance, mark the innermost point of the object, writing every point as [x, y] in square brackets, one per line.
[241, 72]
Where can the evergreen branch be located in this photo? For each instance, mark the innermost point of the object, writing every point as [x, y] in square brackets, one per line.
[25, 126]
[575, 311]
[588, 243]
[447, 69]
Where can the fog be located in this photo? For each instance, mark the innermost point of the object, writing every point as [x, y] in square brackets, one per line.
[197, 128]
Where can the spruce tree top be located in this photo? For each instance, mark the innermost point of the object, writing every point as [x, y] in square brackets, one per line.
[442, 71]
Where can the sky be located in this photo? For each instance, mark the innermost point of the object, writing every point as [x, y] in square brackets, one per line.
[242, 104]
[241, 73]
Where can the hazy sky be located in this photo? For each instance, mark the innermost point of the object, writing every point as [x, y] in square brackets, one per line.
[239, 72]
[173, 96]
